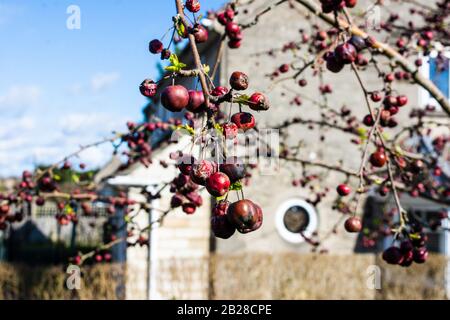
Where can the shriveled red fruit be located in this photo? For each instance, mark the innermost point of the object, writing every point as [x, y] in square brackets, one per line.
[245, 215]
[378, 159]
[234, 43]
[408, 259]
[233, 30]
[185, 164]
[343, 190]
[376, 96]
[196, 101]
[222, 227]
[218, 184]
[175, 98]
[420, 255]
[345, 53]
[189, 208]
[155, 46]
[392, 255]
[302, 82]
[284, 68]
[402, 100]
[195, 198]
[351, 3]
[219, 91]
[193, 5]
[258, 102]
[243, 120]
[201, 171]
[148, 88]
[230, 130]
[200, 34]
[368, 120]
[333, 64]
[221, 208]
[353, 224]
[176, 201]
[239, 81]
[234, 168]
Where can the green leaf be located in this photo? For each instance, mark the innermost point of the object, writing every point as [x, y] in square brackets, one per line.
[188, 128]
[237, 186]
[176, 65]
[75, 178]
[221, 198]
[171, 69]
[56, 177]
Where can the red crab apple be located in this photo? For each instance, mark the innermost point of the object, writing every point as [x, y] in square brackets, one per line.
[201, 171]
[230, 130]
[420, 255]
[148, 88]
[220, 225]
[243, 120]
[245, 215]
[353, 224]
[155, 46]
[233, 30]
[218, 184]
[219, 91]
[189, 208]
[175, 98]
[402, 100]
[376, 96]
[234, 44]
[368, 120]
[333, 64]
[234, 168]
[350, 3]
[196, 101]
[193, 5]
[378, 159]
[185, 164]
[392, 255]
[239, 81]
[258, 102]
[200, 34]
[343, 190]
[345, 53]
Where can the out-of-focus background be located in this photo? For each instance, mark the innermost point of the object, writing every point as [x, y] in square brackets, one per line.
[61, 88]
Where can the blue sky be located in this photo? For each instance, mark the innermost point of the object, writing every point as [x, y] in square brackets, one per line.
[60, 88]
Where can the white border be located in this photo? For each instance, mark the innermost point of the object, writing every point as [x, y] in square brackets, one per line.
[292, 237]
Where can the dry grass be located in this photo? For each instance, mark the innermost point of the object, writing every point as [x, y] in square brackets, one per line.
[231, 277]
[44, 283]
[300, 276]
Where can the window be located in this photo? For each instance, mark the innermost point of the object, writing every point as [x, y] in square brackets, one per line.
[294, 217]
[436, 68]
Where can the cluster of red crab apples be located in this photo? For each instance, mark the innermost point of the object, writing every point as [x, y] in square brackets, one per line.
[243, 215]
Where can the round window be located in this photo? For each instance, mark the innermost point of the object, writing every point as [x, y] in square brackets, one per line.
[294, 217]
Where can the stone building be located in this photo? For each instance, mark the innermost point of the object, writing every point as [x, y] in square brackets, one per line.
[178, 261]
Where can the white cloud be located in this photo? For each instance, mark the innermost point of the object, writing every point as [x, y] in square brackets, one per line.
[21, 96]
[25, 142]
[102, 81]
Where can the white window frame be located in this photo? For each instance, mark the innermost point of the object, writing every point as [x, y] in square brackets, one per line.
[292, 237]
[424, 96]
